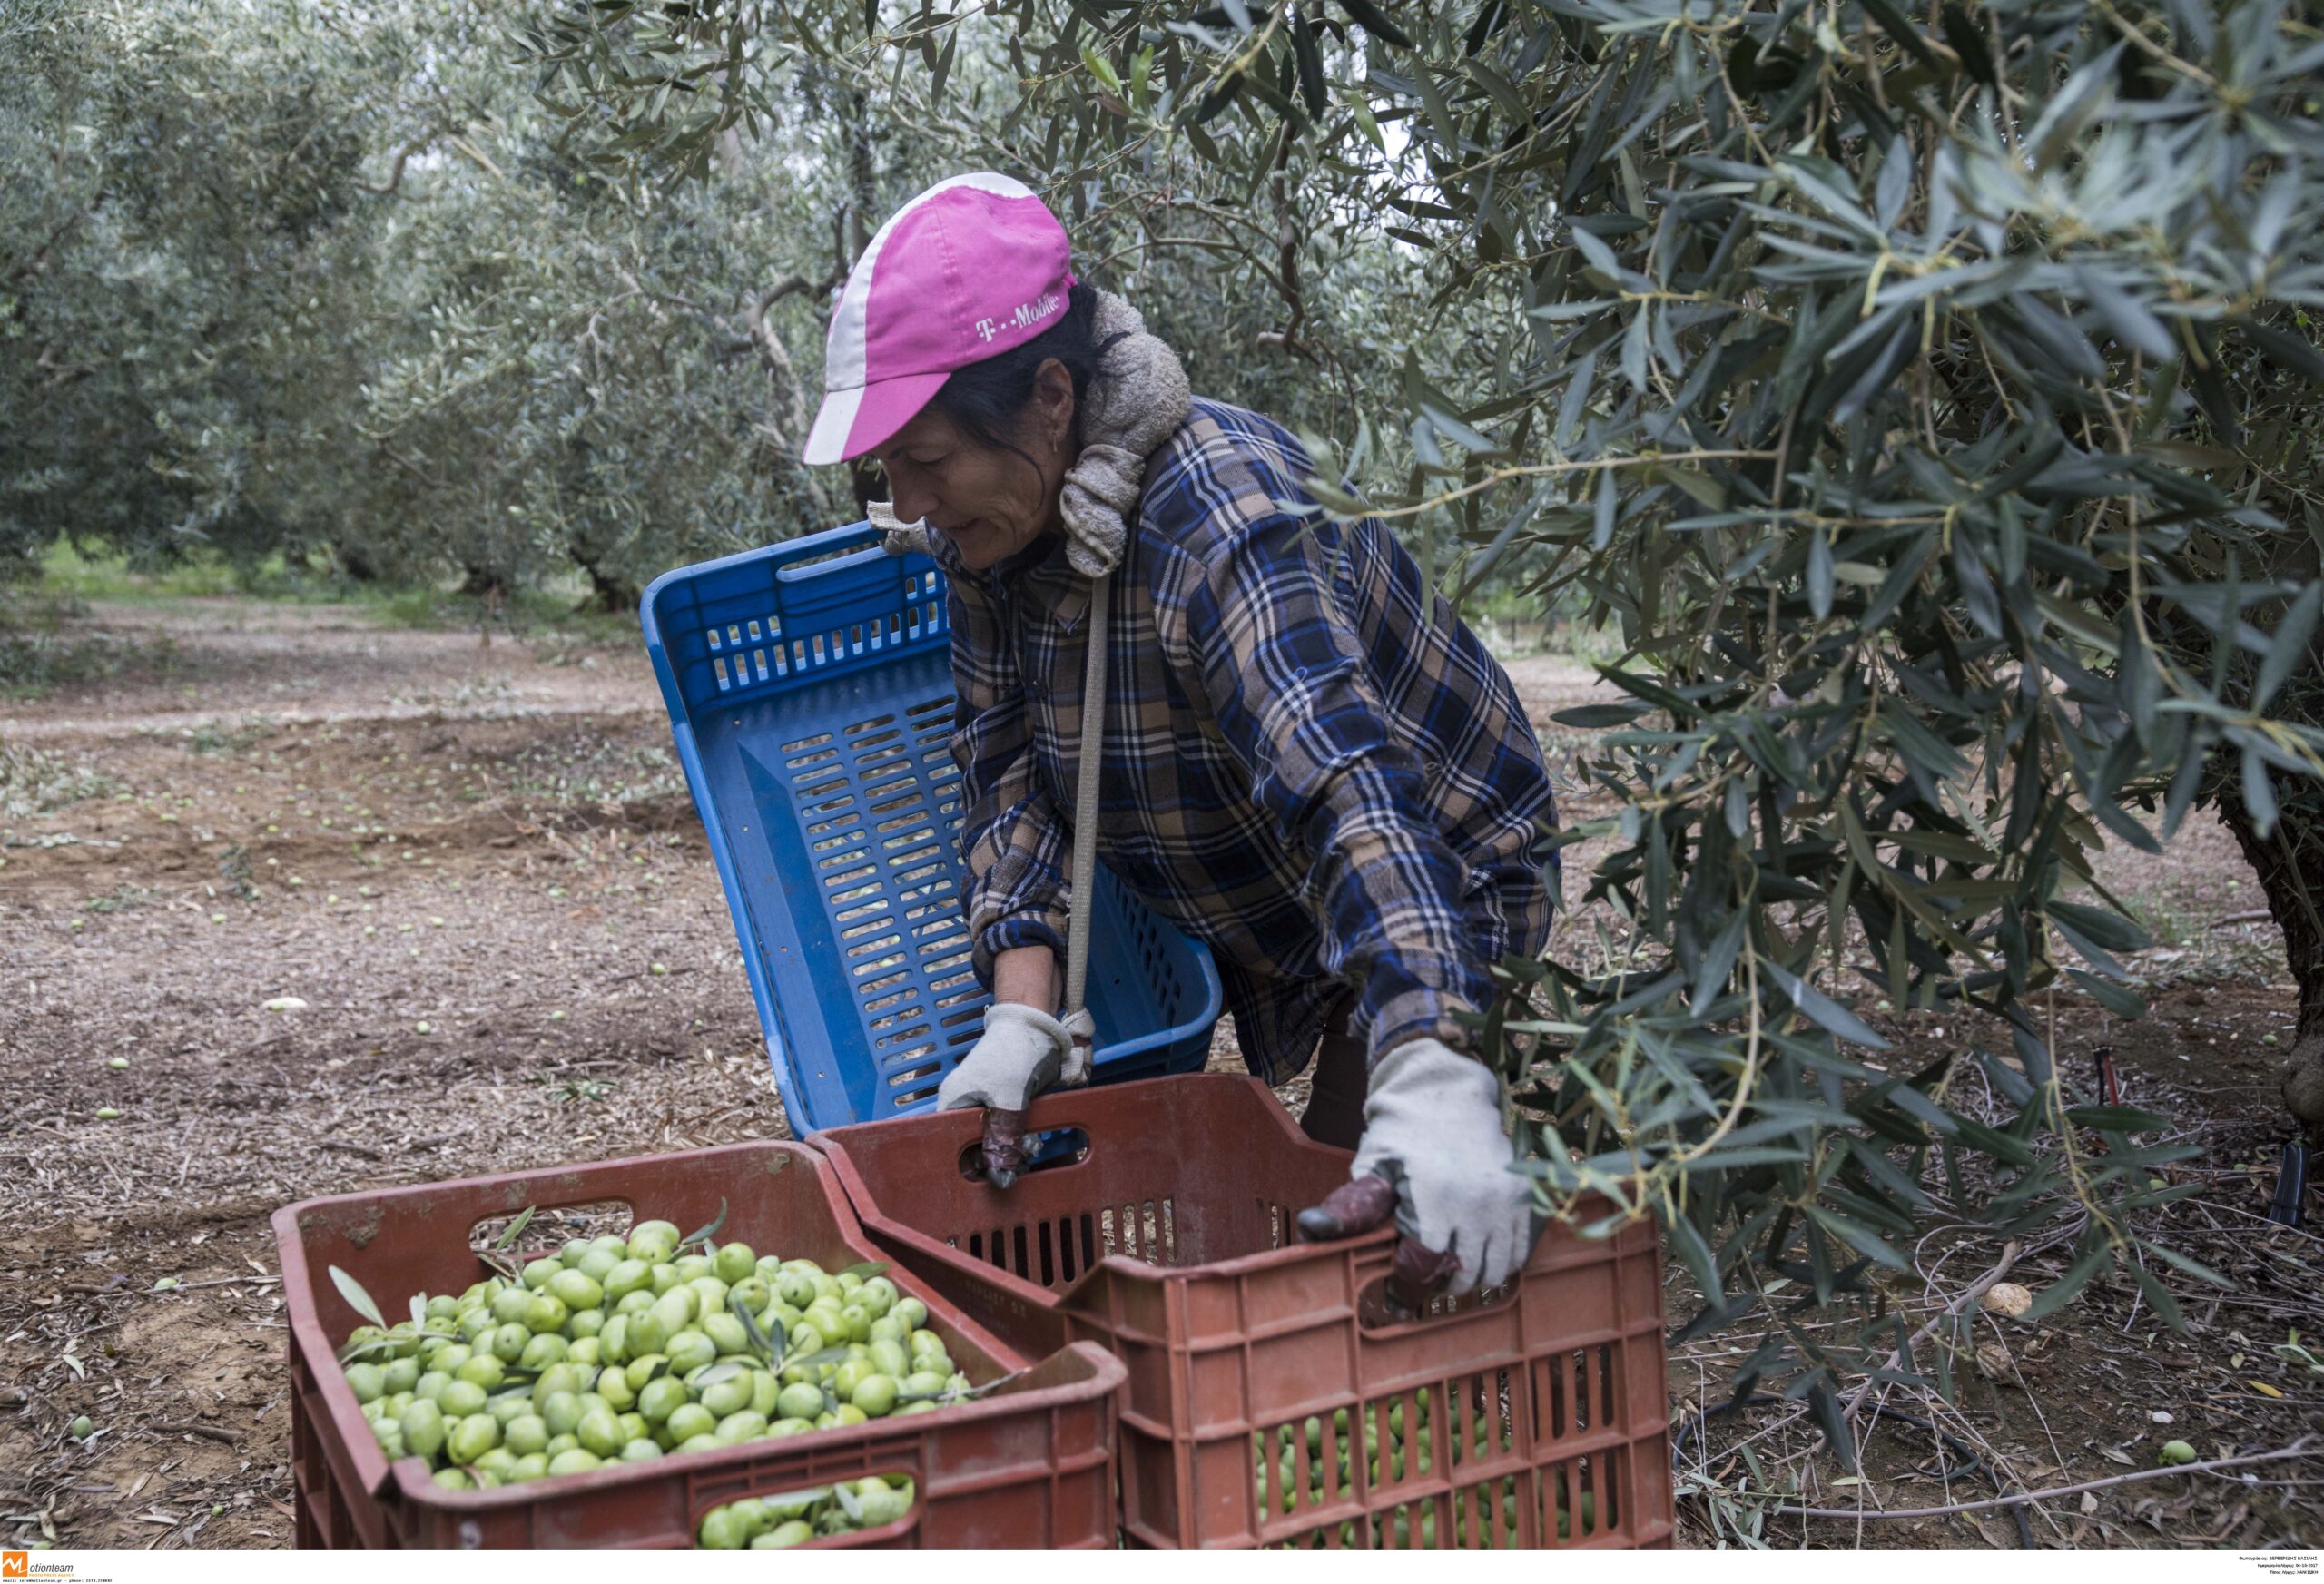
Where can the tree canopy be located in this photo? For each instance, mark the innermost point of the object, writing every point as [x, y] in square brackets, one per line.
[1925, 393]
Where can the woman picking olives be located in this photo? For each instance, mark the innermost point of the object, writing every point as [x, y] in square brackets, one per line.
[1308, 764]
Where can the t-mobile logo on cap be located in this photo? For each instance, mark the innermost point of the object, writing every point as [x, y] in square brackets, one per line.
[1025, 313]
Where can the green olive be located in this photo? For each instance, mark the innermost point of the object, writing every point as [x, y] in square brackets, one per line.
[689, 1421]
[576, 1290]
[471, 1438]
[423, 1428]
[734, 1262]
[484, 1369]
[458, 1399]
[562, 1413]
[600, 1432]
[741, 1426]
[689, 1350]
[875, 1395]
[724, 1529]
[731, 1395]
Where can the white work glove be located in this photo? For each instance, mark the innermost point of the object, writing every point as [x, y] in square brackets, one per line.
[1432, 1132]
[1023, 1051]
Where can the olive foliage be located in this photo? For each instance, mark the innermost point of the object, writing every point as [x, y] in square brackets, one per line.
[316, 281]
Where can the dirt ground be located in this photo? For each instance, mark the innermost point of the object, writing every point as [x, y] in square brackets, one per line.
[478, 870]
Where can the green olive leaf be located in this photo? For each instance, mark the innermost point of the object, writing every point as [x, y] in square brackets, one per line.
[812, 1495]
[358, 1299]
[703, 1235]
[769, 1347]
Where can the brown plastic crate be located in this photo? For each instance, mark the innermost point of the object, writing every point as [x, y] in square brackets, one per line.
[1172, 1242]
[1030, 1465]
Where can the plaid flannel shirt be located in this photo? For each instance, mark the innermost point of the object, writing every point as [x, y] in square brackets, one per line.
[1310, 764]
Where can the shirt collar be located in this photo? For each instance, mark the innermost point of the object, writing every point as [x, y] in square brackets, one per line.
[1039, 572]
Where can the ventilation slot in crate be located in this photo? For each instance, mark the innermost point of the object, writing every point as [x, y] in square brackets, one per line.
[882, 817]
[1576, 1393]
[1583, 1498]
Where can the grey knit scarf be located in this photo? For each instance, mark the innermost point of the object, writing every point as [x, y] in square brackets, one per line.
[1136, 400]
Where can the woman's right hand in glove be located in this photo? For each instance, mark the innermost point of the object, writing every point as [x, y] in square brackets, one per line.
[1023, 1051]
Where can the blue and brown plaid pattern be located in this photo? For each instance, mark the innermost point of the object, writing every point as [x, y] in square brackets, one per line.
[1310, 764]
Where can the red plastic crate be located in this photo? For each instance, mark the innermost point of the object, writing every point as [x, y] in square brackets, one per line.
[1171, 1241]
[1030, 1465]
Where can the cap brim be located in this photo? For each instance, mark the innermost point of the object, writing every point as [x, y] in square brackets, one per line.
[852, 422]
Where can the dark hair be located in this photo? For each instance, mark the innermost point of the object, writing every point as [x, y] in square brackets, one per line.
[986, 400]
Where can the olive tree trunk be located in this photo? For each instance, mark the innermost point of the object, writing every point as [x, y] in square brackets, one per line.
[2290, 860]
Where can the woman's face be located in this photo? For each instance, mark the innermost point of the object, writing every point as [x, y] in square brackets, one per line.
[991, 502]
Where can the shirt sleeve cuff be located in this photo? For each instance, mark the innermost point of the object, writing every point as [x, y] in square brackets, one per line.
[1421, 1014]
[1007, 934]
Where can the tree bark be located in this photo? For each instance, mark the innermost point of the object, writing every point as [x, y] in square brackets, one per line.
[861, 185]
[355, 561]
[479, 582]
[2289, 862]
[610, 593]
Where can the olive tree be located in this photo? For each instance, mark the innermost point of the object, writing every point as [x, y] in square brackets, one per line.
[318, 282]
[1926, 394]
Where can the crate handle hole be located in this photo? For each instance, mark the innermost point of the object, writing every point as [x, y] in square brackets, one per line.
[1374, 1312]
[1046, 1151]
[551, 1225]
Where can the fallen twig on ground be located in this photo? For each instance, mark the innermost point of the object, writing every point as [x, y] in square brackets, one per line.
[1969, 1294]
[2302, 1448]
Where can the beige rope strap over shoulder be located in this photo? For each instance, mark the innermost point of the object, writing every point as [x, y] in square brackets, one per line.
[1077, 1021]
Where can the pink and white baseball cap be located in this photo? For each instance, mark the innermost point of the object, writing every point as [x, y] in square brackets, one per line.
[971, 268]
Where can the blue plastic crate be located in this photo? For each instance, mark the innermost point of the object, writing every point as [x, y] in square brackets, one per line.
[810, 691]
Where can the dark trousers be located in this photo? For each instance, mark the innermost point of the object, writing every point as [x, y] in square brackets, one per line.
[1338, 1081]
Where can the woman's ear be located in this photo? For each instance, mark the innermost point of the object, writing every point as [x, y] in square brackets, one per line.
[1053, 404]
